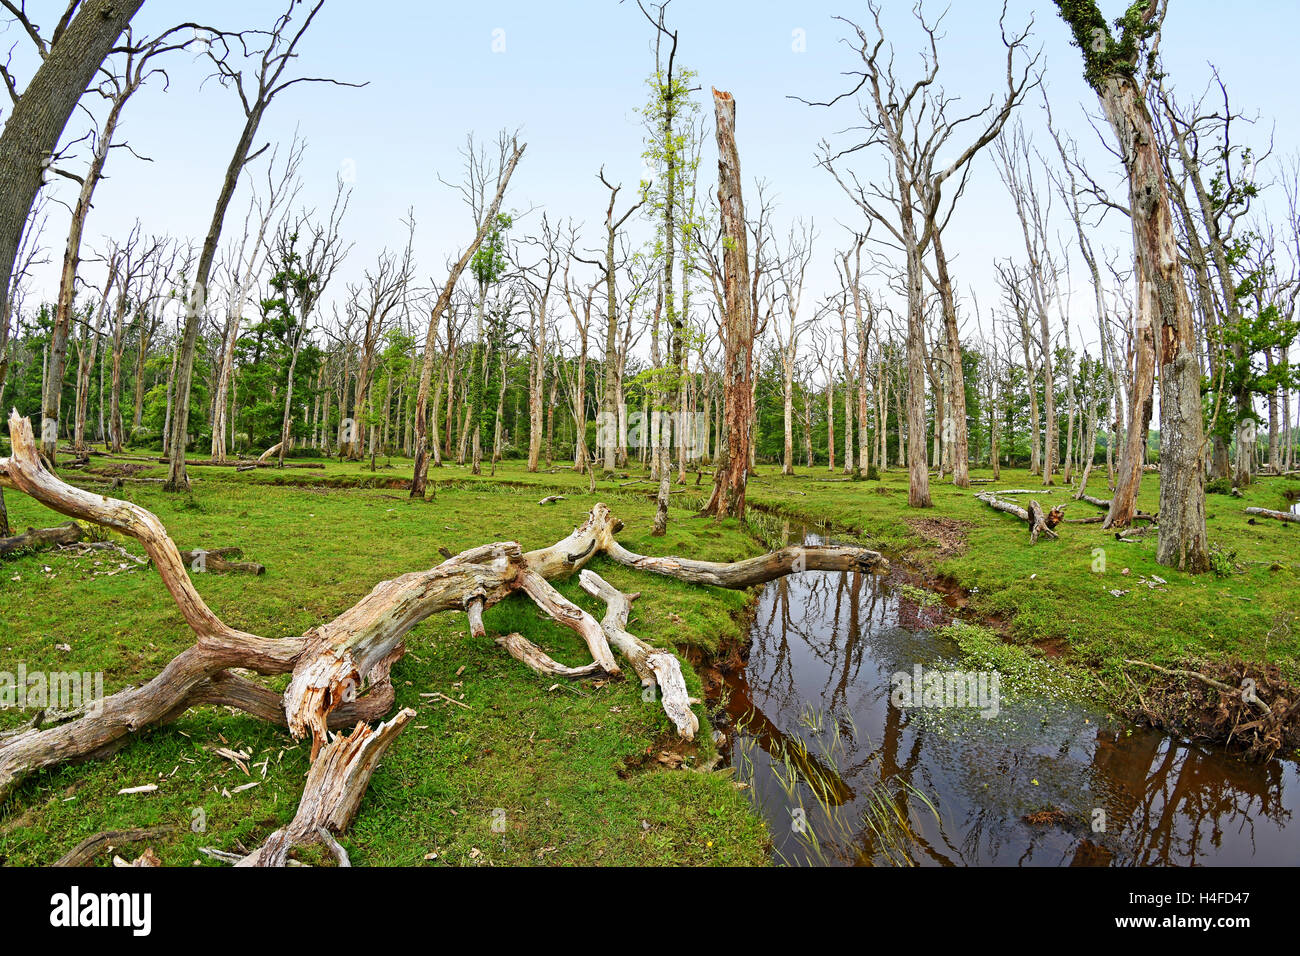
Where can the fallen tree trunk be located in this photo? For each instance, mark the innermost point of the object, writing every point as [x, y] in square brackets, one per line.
[1038, 520]
[246, 464]
[1105, 503]
[1262, 512]
[334, 664]
[215, 560]
[273, 450]
[85, 852]
[40, 539]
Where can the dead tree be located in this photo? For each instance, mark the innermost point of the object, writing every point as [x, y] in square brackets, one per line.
[1041, 273]
[86, 353]
[862, 323]
[340, 669]
[140, 273]
[609, 405]
[255, 96]
[70, 58]
[914, 123]
[732, 469]
[538, 281]
[1011, 280]
[1111, 69]
[381, 293]
[485, 220]
[306, 255]
[281, 188]
[791, 269]
[117, 88]
[580, 309]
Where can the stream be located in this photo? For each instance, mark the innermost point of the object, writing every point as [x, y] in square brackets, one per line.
[845, 777]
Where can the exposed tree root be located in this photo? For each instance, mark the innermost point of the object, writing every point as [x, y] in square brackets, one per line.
[340, 669]
[1246, 706]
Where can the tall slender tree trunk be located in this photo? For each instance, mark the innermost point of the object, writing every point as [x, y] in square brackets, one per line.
[731, 472]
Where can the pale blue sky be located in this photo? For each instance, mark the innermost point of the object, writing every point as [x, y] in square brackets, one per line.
[570, 77]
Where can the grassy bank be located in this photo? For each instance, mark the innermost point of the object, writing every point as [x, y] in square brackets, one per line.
[570, 769]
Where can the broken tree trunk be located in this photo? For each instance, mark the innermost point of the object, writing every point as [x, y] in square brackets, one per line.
[1038, 520]
[728, 496]
[334, 664]
[332, 795]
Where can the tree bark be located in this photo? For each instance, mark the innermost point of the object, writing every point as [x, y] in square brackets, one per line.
[731, 472]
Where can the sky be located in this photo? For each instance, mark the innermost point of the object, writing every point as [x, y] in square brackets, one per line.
[569, 76]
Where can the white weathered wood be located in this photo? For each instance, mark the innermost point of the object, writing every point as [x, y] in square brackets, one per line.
[1277, 515]
[655, 667]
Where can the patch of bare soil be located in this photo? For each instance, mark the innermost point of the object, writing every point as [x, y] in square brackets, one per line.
[948, 534]
[666, 752]
[1250, 708]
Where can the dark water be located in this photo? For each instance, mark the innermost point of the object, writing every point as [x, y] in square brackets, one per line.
[844, 777]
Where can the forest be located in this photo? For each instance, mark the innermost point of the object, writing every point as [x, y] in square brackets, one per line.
[1011, 401]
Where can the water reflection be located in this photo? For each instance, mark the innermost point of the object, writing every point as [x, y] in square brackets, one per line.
[844, 777]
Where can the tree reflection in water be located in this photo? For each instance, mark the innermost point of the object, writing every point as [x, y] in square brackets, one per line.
[812, 704]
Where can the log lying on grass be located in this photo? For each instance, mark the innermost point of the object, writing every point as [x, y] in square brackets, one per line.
[39, 539]
[70, 534]
[1039, 521]
[1262, 512]
[342, 666]
[88, 849]
[1105, 503]
[217, 560]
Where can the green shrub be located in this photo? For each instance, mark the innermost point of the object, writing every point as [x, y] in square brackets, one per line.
[1219, 486]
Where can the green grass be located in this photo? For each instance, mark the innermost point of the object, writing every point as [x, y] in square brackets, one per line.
[565, 763]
